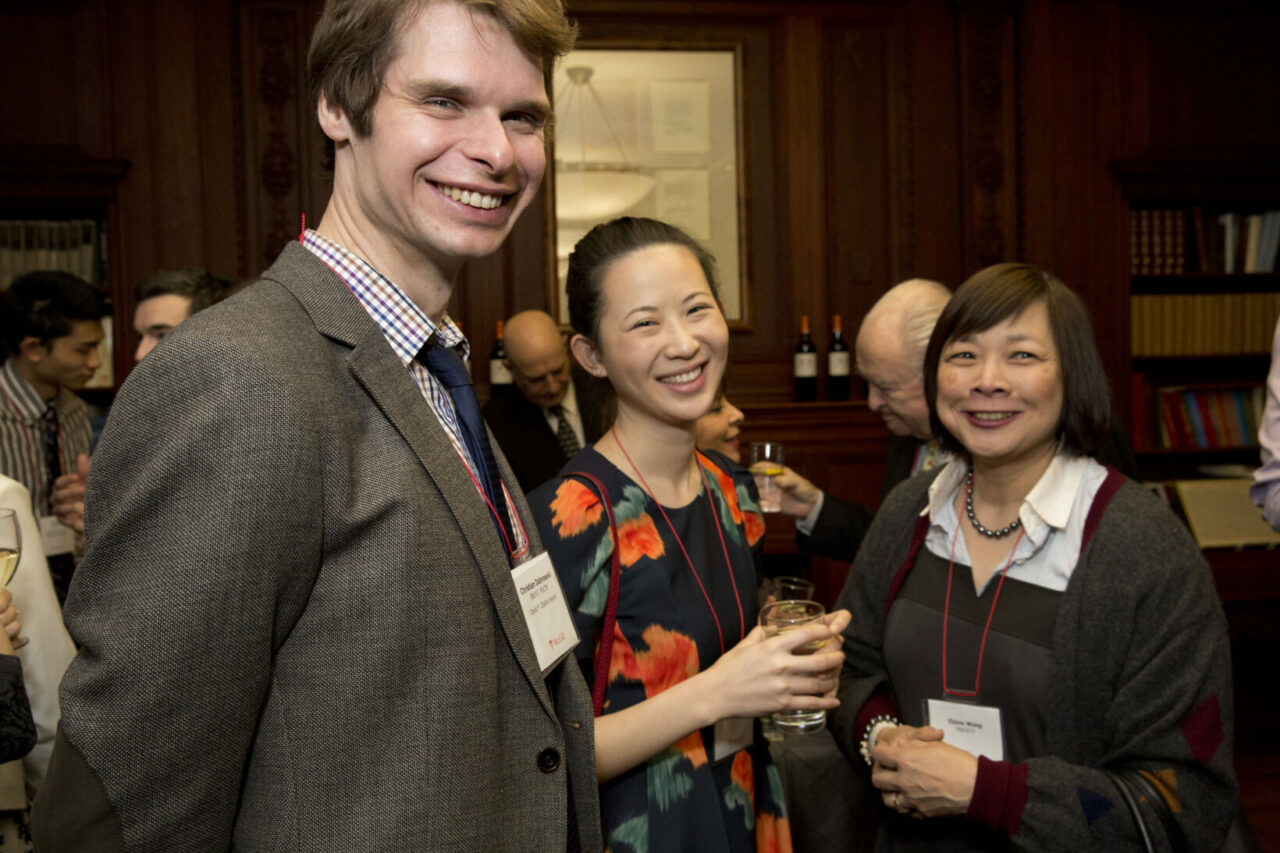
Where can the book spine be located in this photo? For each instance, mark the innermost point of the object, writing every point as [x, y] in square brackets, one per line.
[1198, 439]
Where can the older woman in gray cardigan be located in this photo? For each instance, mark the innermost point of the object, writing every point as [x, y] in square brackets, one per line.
[1031, 629]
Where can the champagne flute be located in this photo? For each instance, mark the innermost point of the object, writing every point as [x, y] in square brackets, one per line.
[10, 554]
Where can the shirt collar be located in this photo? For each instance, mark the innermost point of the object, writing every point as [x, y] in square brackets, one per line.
[405, 326]
[22, 394]
[1047, 506]
[569, 402]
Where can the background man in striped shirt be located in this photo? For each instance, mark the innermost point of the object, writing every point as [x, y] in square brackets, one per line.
[51, 330]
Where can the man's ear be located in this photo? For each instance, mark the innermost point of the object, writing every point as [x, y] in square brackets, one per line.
[587, 355]
[333, 121]
[33, 349]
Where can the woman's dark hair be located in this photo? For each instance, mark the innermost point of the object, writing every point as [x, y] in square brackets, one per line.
[608, 243]
[999, 292]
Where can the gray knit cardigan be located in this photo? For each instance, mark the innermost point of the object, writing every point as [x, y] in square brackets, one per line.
[1141, 678]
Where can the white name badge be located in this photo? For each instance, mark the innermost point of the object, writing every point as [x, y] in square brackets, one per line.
[733, 734]
[973, 728]
[545, 610]
[56, 537]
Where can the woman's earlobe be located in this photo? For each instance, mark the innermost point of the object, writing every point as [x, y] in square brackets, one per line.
[585, 352]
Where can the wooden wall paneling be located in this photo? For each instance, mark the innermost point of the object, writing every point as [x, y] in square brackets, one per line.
[219, 138]
[870, 227]
[92, 78]
[173, 131]
[1214, 79]
[804, 195]
[130, 94]
[277, 116]
[36, 44]
[988, 104]
[932, 72]
[1073, 103]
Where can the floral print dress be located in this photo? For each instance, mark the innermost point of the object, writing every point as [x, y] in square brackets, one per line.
[681, 798]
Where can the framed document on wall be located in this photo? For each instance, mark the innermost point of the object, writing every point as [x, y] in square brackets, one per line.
[656, 133]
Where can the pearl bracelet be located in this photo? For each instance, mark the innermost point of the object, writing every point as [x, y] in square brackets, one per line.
[864, 746]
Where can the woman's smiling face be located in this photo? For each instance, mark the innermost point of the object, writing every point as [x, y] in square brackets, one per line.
[663, 341]
[1000, 391]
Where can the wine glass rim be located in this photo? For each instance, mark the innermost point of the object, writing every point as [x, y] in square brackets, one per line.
[811, 613]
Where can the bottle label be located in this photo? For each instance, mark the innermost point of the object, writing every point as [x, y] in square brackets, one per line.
[838, 363]
[805, 365]
[498, 373]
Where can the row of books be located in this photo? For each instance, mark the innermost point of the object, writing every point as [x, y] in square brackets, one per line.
[1206, 418]
[1173, 242]
[1203, 323]
[70, 245]
[1157, 242]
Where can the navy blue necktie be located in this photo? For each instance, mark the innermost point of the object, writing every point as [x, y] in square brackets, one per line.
[445, 365]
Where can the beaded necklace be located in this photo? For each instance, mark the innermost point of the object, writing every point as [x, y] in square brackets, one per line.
[973, 519]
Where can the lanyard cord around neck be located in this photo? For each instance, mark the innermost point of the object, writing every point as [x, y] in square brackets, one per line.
[946, 609]
[613, 430]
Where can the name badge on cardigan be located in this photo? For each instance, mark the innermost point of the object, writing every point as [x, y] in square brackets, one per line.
[545, 610]
[973, 728]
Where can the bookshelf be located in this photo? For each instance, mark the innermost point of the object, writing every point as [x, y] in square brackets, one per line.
[1201, 325]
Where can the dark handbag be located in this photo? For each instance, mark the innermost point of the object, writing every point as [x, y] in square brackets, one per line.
[1133, 785]
[1241, 837]
[604, 649]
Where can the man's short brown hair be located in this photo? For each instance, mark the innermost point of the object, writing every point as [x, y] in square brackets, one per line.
[355, 41]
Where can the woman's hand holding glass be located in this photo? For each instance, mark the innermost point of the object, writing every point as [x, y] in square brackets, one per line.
[762, 674]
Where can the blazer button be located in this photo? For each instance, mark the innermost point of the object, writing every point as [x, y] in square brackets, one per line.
[548, 760]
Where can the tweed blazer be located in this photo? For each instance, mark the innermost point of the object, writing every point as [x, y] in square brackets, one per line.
[297, 625]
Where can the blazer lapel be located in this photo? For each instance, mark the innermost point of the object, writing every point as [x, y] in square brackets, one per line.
[340, 316]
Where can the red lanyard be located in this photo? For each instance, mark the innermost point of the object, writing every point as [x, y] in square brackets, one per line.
[951, 565]
[494, 510]
[613, 430]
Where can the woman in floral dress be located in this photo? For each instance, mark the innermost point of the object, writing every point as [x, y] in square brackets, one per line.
[678, 754]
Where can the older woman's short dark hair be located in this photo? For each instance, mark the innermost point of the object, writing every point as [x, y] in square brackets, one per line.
[999, 292]
[606, 244]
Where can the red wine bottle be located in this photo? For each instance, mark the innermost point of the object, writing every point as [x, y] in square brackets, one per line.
[804, 365]
[837, 363]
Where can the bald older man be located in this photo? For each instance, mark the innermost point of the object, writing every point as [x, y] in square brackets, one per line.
[889, 354]
[548, 414]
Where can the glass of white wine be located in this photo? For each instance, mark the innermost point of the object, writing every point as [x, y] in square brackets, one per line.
[10, 554]
[786, 615]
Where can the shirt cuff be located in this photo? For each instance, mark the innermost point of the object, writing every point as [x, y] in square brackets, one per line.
[999, 794]
[805, 525]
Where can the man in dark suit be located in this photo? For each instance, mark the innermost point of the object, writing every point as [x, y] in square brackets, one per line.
[890, 356]
[297, 618]
[548, 414]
